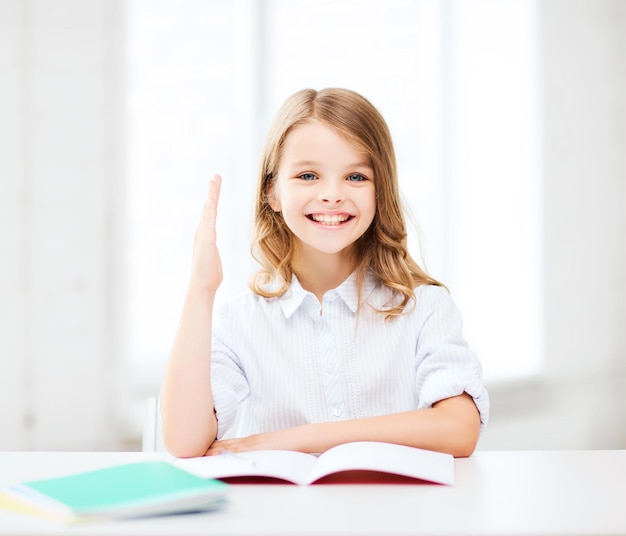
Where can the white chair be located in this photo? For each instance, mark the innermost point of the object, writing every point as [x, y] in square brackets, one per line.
[152, 437]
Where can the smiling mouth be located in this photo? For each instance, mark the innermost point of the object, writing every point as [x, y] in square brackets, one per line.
[330, 219]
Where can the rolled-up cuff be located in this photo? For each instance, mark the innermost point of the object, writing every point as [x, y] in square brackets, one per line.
[445, 384]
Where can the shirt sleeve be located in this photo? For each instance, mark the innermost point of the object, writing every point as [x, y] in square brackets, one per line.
[229, 384]
[445, 365]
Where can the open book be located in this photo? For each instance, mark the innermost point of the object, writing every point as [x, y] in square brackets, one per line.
[122, 491]
[347, 460]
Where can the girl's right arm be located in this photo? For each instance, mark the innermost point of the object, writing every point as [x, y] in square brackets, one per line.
[188, 419]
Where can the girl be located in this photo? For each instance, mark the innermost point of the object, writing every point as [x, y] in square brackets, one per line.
[343, 337]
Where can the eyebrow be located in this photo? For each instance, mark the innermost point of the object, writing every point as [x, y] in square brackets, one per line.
[313, 163]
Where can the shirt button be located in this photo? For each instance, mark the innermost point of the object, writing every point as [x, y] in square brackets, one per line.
[336, 412]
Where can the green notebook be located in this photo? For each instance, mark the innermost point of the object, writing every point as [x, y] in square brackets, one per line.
[122, 491]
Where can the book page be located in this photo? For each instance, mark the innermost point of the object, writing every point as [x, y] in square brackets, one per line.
[386, 458]
[282, 464]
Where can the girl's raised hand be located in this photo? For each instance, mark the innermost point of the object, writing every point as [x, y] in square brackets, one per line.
[206, 271]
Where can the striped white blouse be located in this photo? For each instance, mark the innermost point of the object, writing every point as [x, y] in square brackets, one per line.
[296, 361]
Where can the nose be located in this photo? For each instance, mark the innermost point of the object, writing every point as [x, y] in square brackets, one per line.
[332, 193]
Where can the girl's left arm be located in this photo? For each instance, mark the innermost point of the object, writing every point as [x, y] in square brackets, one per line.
[451, 425]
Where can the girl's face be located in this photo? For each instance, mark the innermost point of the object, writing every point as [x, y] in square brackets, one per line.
[324, 189]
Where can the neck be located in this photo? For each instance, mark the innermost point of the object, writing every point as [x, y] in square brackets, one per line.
[322, 272]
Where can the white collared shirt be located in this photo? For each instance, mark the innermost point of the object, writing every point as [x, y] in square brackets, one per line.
[295, 361]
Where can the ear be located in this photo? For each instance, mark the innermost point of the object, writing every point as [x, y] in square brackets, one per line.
[272, 198]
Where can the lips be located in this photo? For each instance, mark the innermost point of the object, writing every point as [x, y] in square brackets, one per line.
[330, 219]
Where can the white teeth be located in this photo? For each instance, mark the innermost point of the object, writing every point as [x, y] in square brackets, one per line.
[335, 219]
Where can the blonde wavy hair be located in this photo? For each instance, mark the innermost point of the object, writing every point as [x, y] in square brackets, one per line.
[382, 249]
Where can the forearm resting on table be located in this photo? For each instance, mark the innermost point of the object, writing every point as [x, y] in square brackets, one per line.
[189, 427]
[451, 425]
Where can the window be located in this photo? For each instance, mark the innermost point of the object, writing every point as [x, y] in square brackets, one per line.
[491, 170]
[456, 82]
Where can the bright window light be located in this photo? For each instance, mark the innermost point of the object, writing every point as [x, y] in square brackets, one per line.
[456, 81]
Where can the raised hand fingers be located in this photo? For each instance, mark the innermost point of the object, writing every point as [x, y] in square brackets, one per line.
[215, 183]
[209, 212]
[207, 267]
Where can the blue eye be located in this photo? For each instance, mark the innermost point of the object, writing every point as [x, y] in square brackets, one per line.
[355, 177]
[307, 177]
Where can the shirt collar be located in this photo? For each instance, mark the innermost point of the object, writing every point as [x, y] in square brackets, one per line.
[295, 295]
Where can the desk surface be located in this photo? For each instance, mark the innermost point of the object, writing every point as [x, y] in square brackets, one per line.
[526, 492]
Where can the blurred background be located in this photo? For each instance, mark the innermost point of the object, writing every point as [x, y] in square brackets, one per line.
[509, 118]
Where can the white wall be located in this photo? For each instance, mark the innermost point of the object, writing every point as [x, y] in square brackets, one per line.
[60, 170]
[581, 400]
[61, 230]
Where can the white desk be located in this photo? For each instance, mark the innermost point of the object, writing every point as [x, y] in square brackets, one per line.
[573, 492]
